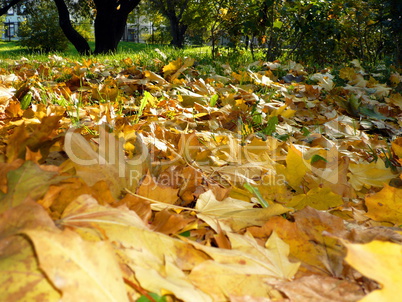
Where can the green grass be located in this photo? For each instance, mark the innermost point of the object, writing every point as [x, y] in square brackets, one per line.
[142, 55]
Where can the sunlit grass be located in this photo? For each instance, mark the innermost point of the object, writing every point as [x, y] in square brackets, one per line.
[151, 56]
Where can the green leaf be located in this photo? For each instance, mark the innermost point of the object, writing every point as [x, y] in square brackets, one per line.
[305, 131]
[278, 24]
[154, 296]
[185, 234]
[354, 104]
[372, 113]
[257, 194]
[26, 101]
[315, 158]
[213, 100]
[271, 126]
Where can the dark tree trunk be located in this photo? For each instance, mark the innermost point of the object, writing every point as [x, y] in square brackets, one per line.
[173, 10]
[110, 23]
[396, 14]
[177, 30]
[72, 35]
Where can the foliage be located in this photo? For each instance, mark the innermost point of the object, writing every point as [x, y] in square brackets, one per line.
[161, 35]
[40, 31]
[120, 182]
[85, 28]
[311, 31]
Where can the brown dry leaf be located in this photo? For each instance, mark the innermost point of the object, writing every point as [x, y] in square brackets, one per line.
[318, 288]
[16, 145]
[169, 223]
[360, 234]
[151, 189]
[308, 241]
[140, 206]
[395, 99]
[4, 169]
[21, 279]
[175, 68]
[397, 147]
[107, 163]
[38, 136]
[381, 261]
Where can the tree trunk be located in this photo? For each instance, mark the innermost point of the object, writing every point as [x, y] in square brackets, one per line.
[173, 10]
[79, 42]
[110, 23]
[177, 31]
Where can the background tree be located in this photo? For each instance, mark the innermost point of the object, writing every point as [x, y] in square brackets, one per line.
[173, 11]
[181, 15]
[39, 30]
[110, 21]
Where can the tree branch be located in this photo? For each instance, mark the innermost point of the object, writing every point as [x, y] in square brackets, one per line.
[5, 9]
[72, 35]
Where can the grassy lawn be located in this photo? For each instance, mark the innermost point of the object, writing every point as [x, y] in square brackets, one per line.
[14, 50]
[150, 55]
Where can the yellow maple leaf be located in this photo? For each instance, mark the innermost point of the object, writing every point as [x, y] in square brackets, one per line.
[317, 198]
[21, 278]
[347, 73]
[234, 212]
[369, 174]
[296, 167]
[395, 99]
[385, 205]
[381, 261]
[397, 146]
[175, 68]
[244, 269]
[81, 270]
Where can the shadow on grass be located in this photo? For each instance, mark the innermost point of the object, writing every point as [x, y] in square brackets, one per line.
[12, 50]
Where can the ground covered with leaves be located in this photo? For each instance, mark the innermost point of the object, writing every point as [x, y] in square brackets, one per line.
[120, 182]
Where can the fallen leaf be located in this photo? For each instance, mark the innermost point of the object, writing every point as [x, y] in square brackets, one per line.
[296, 167]
[308, 241]
[381, 261]
[369, 174]
[81, 270]
[318, 288]
[107, 163]
[28, 182]
[385, 205]
[317, 198]
[21, 278]
[232, 212]
[243, 269]
[152, 189]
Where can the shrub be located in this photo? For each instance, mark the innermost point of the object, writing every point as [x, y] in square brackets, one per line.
[40, 30]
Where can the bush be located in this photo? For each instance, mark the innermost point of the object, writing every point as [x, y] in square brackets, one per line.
[40, 30]
[161, 35]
